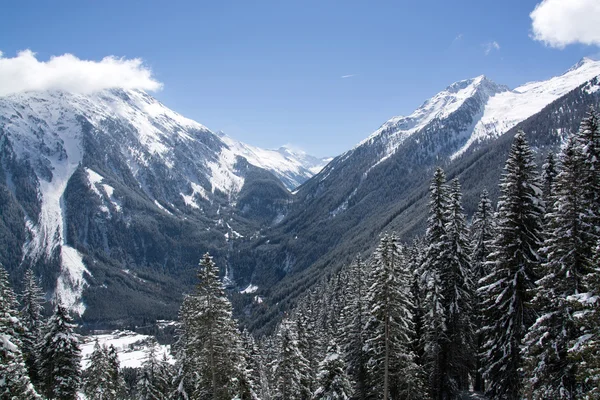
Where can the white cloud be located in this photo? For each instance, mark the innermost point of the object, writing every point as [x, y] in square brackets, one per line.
[347, 76]
[559, 23]
[67, 72]
[457, 38]
[488, 47]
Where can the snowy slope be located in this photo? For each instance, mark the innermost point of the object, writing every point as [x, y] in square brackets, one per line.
[57, 155]
[395, 131]
[169, 156]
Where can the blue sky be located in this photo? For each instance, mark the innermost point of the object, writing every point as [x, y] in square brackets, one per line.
[270, 72]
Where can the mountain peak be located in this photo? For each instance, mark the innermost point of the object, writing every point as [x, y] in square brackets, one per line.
[583, 63]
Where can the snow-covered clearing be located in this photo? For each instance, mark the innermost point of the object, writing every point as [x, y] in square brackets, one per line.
[131, 347]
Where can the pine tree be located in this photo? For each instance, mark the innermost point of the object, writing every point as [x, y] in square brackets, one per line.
[209, 346]
[392, 368]
[289, 364]
[482, 233]
[60, 357]
[513, 261]
[254, 365]
[549, 173]
[152, 385]
[97, 378]
[457, 293]
[436, 340]
[32, 306]
[415, 259]
[549, 372]
[117, 386]
[164, 376]
[333, 381]
[588, 138]
[14, 380]
[584, 349]
[355, 316]
[309, 342]
[270, 351]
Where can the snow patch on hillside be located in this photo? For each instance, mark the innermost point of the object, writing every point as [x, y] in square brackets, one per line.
[249, 289]
[59, 152]
[102, 190]
[132, 348]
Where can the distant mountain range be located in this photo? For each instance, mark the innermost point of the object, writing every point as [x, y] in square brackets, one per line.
[112, 197]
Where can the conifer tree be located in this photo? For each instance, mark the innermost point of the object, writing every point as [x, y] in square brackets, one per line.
[549, 372]
[436, 340]
[355, 315]
[164, 376]
[308, 333]
[60, 357]
[32, 306]
[97, 378]
[415, 261]
[549, 173]
[513, 261]
[289, 364]
[152, 385]
[589, 141]
[457, 293]
[14, 380]
[254, 365]
[482, 233]
[584, 350]
[117, 387]
[392, 368]
[209, 346]
[333, 381]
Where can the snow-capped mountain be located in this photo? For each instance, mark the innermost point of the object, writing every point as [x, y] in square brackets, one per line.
[290, 165]
[493, 109]
[127, 147]
[381, 184]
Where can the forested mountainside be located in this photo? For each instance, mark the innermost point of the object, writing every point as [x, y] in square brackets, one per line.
[506, 307]
[341, 211]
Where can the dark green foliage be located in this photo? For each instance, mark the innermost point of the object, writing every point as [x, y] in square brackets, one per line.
[389, 328]
[354, 318]
[457, 291]
[14, 379]
[549, 373]
[482, 234]
[333, 382]
[585, 348]
[513, 262]
[32, 307]
[60, 357]
[548, 176]
[288, 380]
[211, 363]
